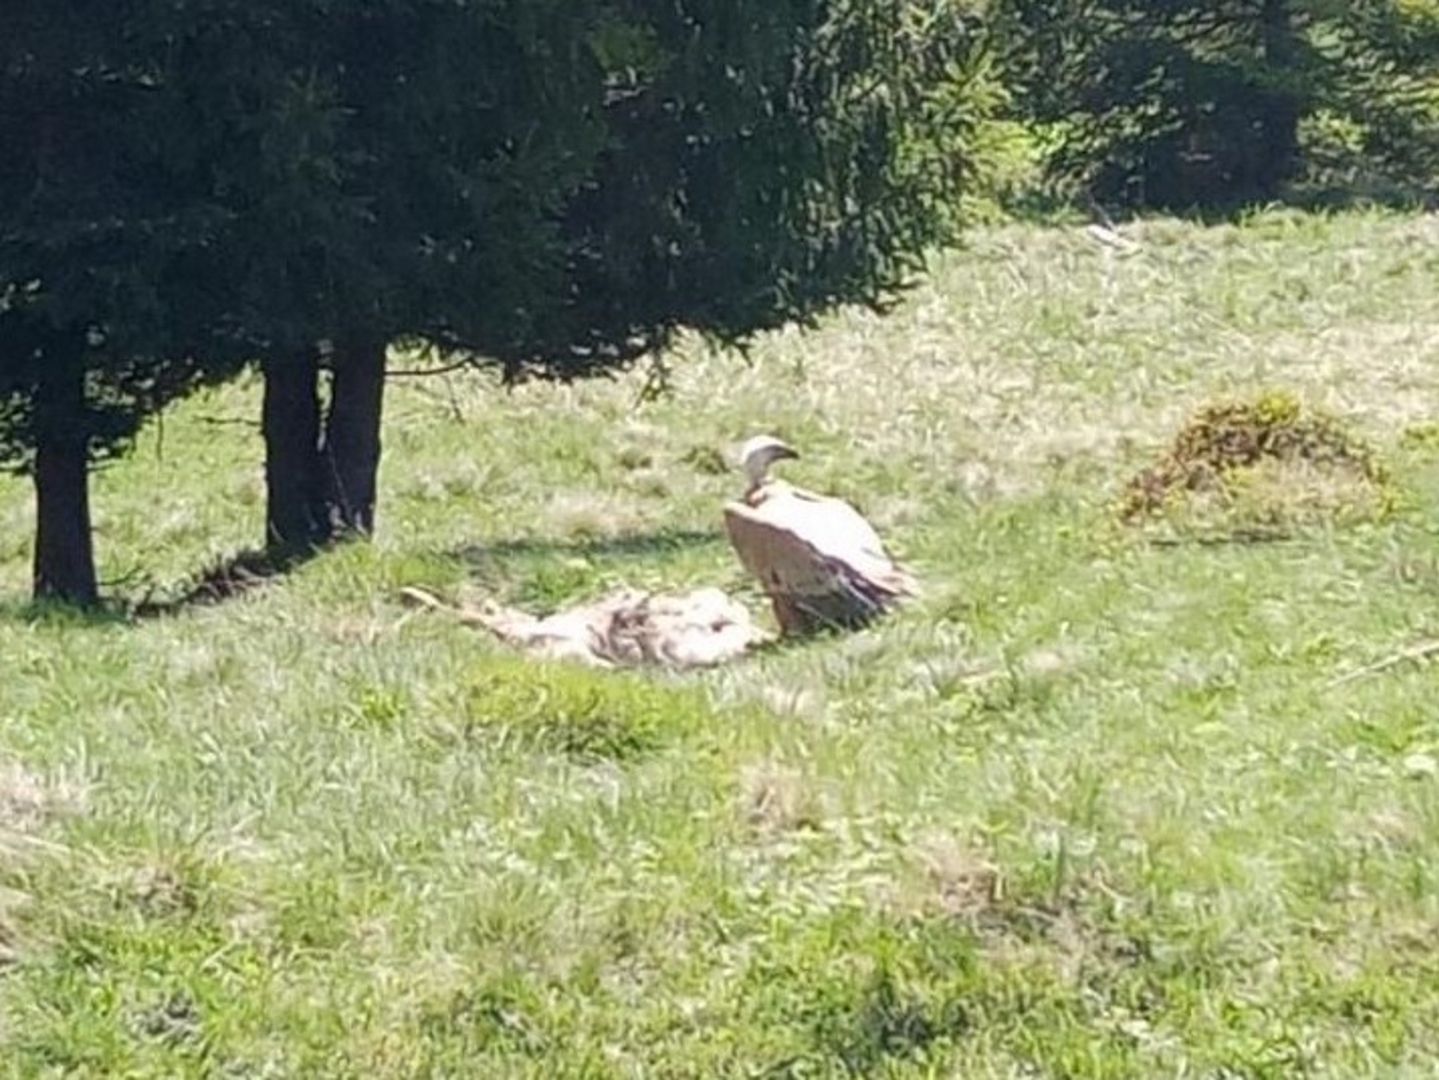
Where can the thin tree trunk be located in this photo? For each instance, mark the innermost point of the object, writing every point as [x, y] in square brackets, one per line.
[352, 433]
[290, 417]
[64, 567]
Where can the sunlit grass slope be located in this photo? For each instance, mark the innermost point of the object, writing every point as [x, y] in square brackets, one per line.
[1092, 808]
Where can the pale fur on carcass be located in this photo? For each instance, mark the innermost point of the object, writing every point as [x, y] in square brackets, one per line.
[702, 628]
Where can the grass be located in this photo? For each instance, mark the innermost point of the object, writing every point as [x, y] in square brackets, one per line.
[1091, 809]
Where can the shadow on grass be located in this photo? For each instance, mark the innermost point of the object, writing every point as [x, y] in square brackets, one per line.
[625, 546]
[546, 573]
[228, 579]
[244, 572]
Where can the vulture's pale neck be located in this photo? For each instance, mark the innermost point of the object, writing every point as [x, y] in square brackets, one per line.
[756, 469]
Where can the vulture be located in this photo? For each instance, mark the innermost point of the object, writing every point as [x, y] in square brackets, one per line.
[819, 561]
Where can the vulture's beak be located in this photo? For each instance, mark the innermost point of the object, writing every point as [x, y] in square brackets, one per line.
[783, 453]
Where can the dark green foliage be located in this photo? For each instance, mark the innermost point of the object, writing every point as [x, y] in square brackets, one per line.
[378, 188]
[99, 243]
[551, 185]
[104, 245]
[1182, 103]
[759, 162]
[558, 186]
[1382, 61]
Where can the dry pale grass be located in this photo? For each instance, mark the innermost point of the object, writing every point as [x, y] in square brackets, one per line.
[596, 515]
[961, 882]
[1019, 356]
[29, 801]
[1285, 492]
[776, 798]
[790, 701]
[158, 890]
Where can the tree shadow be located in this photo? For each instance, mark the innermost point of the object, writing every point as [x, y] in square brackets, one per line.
[633, 545]
[247, 571]
[547, 574]
[229, 578]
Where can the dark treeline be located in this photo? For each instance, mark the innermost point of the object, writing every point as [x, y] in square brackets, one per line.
[192, 188]
[1214, 104]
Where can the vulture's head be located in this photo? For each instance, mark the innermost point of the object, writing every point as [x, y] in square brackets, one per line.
[759, 453]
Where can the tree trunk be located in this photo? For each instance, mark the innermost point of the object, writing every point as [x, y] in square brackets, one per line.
[295, 522]
[352, 433]
[1283, 106]
[64, 566]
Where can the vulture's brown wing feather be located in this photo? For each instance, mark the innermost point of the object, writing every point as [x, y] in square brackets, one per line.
[839, 531]
[820, 562]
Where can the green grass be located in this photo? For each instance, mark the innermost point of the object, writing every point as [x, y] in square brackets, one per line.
[1090, 809]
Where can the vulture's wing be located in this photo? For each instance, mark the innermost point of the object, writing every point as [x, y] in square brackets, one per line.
[818, 559]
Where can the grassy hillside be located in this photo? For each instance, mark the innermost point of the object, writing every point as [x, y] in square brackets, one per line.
[1091, 809]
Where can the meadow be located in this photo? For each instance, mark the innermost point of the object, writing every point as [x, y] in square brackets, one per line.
[1098, 805]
